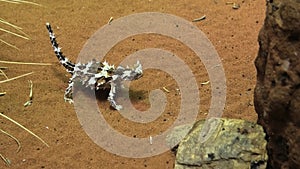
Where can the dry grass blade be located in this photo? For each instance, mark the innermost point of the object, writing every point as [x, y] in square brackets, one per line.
[14, 78]
[15, 34]
[9, 1]
[199, 19]
[14, 138]
[13, 26]
[8, 44]
[20, 1]
[9, 24]
[29, 102]
[25, 63]
[110, 20]
[2, 73]
[7, 162]
[24, 128]
[28, 2]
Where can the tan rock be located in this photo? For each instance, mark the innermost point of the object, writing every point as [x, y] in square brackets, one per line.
[234, 144]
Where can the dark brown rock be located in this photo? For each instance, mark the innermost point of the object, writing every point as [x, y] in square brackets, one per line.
[277, 92]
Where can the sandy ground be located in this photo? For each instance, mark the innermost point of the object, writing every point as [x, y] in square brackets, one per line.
[232, 32]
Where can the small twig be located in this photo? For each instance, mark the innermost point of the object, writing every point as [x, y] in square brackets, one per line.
[233, 5]
[25, 63]
[3, 68]
[24, 128]
[205, 83]
[199, 19]
[166, 90]
[110, 20]
[6, 160]
[14, 78]
[29, 102]
[2, 93]
[14, 138]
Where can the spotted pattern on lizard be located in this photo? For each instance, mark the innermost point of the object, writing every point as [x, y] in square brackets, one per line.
[94, 74]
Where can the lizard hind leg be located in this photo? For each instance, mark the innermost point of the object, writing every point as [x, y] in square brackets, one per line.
[69, 92]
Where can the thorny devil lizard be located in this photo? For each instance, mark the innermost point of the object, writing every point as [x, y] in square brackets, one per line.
[95, 75]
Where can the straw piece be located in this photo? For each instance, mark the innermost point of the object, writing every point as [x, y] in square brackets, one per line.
[199, 19]
[27, 2]
[110, 20]
[14, 138]
[8, 44]
[6, 160]
[24, 128]
[25, 63]
[7, 80]
[10, 24]
[166, 90]
[205, 83]
[29, 102]
[9, 1]
[1, 71]
[20, 1]
[15, 34]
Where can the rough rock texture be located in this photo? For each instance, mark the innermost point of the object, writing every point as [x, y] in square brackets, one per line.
[234, 144]
[277, 92]
[177, 134]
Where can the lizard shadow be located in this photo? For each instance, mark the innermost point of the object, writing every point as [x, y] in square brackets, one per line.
[134, 95]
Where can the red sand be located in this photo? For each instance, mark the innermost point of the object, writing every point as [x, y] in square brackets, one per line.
[232, 32]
